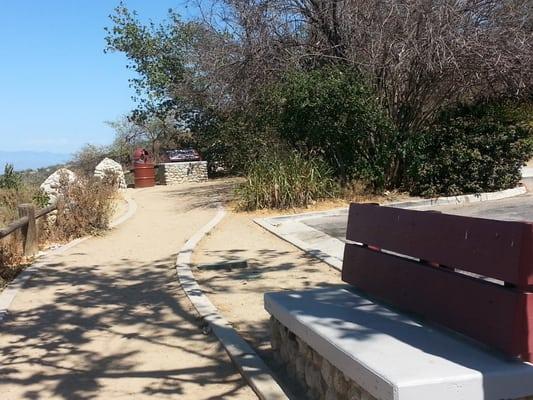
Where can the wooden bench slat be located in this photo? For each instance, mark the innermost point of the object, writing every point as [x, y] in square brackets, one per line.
[494, 315]
[497, 249]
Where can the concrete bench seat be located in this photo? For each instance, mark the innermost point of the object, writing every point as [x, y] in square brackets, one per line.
[395, 357]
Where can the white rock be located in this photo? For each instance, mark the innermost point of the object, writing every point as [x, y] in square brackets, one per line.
[108, 165]
[52, 185]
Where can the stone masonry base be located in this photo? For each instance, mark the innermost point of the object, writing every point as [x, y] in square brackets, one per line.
[322, 380]
[182, 172]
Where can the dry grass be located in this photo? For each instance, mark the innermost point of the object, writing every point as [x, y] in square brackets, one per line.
[11, 198]
[355, 192]
[11, 260]
[85, 207]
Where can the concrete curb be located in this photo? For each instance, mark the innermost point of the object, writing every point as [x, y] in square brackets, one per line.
[130, 212]
[250, 365]
[322, 252]
[9, 292]
[331, 250]
[418, 203]
[463, 199]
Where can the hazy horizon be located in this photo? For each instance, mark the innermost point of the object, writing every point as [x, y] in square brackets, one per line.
[23, 160]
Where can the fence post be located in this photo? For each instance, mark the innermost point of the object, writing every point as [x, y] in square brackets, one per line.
[29, 231]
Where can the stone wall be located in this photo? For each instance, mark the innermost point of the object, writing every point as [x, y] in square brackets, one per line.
[182, 172]
[322, 380]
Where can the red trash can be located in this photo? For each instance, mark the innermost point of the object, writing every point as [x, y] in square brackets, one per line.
[144, 175]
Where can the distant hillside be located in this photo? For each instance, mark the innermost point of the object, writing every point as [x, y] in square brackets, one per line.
[23, 160]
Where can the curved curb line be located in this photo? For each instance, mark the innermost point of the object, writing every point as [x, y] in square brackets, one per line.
[9, 292]
[132, 209]
[462, 199]
[250, 365]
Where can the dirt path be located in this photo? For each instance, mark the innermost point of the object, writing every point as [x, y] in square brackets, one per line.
[107, 319]
[273, 265]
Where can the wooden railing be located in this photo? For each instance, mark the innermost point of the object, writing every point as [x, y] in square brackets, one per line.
[27, 223]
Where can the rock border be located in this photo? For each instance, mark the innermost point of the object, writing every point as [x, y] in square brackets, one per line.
[331, 250]
[252, 368]
[10, 291]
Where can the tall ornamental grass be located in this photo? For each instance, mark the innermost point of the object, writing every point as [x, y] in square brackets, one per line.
[286, 181]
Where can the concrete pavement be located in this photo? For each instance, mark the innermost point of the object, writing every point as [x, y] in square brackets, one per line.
[322, 234]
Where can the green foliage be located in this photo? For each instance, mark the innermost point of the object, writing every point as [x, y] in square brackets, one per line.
[332, 113]
[40, 198]
[157, 53]
[286, 181]
[234, 141]
[220, 91]
[10, 179]
[14, 190]
[472, 149]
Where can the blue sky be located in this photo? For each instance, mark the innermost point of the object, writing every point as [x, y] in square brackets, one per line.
[57, 87]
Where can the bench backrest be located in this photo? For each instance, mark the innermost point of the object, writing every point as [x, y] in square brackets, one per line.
[472, 275]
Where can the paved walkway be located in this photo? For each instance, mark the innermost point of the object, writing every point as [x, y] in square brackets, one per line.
[519, 208]
[322, 234]
[108, 320]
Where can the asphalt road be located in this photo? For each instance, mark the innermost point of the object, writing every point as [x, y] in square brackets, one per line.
[518, 208]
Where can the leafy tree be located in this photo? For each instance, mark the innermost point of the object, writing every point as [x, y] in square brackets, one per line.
[331, 113]
[204, 82]
[156, 53]
[472, 149]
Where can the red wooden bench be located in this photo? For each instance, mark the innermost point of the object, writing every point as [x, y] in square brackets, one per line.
[472, 275]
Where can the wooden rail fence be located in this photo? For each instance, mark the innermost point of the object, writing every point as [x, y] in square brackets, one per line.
[27, 223]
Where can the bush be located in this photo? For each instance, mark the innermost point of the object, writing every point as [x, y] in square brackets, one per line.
[14, 191]
[10, 179]
[233, 141]
[85, 160]
[331, 112]
[84, 207]
[286, 181]
[472, 149]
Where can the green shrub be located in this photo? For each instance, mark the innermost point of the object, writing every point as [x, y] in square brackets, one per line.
[10, 179]
[472, 149]
[234, 141]
[286, 181]
[331, 112]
